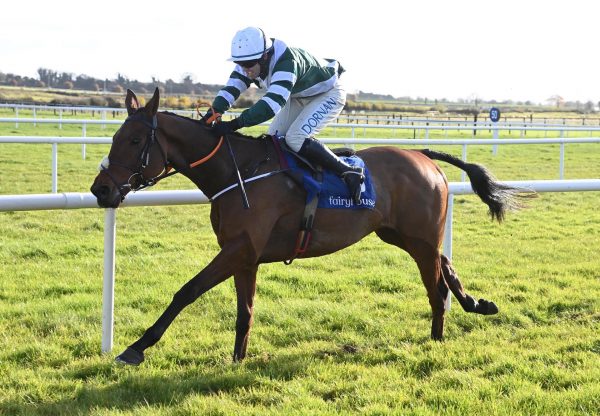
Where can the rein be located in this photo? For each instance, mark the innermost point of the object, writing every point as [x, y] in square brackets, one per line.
[213, 117]
[207, 157]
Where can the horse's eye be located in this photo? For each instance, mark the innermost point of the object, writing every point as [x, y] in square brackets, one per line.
[136, 140]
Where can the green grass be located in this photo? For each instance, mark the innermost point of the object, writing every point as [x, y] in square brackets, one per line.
[345, 334]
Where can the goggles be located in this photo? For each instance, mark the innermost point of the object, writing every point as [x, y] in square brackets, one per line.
[247, 64]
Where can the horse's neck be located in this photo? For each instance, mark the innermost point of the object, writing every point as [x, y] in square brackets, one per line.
[190, 142]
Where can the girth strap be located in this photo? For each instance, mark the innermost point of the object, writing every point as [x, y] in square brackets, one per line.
[306, 226]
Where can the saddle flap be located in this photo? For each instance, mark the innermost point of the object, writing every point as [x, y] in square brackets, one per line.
[331, 190]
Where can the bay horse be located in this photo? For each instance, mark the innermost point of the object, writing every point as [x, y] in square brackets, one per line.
[410, 210]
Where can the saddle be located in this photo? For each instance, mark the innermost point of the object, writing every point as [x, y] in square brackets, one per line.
[340, 151]
[324, 189]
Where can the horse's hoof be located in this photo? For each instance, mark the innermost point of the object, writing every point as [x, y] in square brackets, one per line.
[130, 357]
[486, 307]
[239, 357]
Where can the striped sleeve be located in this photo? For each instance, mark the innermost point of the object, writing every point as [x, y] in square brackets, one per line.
[277, 95]
[236, 85]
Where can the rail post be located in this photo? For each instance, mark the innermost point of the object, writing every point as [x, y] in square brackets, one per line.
[54, 168]
[108, 288]
[447, 244]
[464, 159]
[84, 132]
[561, 168]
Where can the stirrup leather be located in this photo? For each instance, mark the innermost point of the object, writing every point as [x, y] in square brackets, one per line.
[359, 173]
[354, 180]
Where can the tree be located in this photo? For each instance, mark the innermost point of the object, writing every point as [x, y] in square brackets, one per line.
[65, 77]
[556, 100]
[48, 76]
[188, 84]
[170, 86]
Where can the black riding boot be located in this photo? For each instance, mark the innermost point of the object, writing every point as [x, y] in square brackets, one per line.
[316, 152]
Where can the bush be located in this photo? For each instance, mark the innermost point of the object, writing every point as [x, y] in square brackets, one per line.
[98, 102]
[171, 102]
[185, 102]
[113, 102]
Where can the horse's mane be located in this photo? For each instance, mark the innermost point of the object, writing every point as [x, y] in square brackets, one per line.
[254, 139]
[198, 122]
[201, 124]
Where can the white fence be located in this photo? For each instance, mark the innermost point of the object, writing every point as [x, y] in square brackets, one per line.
[153, 198]
[55, 140]
[355, 117]
[401, 124]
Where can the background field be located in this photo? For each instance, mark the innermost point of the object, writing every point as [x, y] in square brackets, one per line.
[343, 334]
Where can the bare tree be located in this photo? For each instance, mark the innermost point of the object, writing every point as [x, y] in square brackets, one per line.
[556, 100]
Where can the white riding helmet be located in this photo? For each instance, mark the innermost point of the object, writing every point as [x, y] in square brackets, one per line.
[248, 44]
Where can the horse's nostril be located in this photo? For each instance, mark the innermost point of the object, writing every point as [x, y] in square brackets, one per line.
[105, 196]
[100, 191]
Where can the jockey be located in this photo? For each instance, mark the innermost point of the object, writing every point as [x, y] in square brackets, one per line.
[303, 93]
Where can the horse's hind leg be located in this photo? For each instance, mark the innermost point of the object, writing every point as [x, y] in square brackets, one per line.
[428, 261]
[468, 303]
[245, 286]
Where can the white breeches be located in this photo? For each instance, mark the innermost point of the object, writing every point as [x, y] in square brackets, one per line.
[306, 117]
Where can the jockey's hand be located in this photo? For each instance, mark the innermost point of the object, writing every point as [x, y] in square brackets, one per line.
[226, 127]
[209, 118]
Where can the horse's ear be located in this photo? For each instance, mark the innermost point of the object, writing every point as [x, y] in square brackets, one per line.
[131, 102]
[152, 105]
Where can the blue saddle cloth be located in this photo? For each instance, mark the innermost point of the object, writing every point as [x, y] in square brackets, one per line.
[333, 191]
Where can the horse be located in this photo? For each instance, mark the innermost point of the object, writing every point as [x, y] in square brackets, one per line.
[410, 210]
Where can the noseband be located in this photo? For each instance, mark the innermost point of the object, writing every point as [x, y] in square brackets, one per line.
[143, 161]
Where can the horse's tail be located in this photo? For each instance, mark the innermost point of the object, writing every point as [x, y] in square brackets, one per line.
[498, 197]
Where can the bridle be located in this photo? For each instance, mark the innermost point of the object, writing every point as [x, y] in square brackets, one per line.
[143, 161]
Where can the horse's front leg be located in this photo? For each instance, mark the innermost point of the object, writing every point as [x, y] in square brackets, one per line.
[245, 286]
[235, 254]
